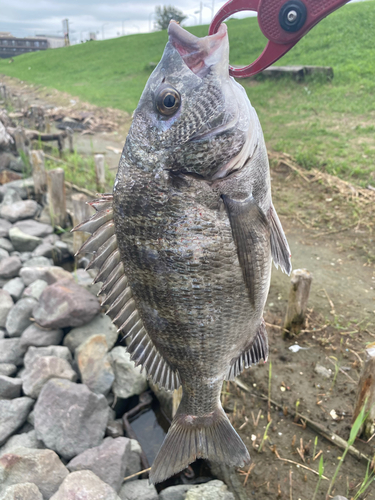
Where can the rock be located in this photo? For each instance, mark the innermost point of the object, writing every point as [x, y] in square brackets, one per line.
[24, 256]
[10, 267]
[134, 490]
[3, 254]
[51, 239]
[133, 462]
[9, 176]
[6, 304]
[65, 304]
[23, 242]
[23, 188]
[213, 490]
[40, 467]
[64, 250]
[35, 289]
[22, 491]
[13, 413]
[34, 228]
[36, 336]
[15, 288]
[25, 209]
[175, 492]
[114, 428]
[84, 485]
[43, 369]
[19, 317]
[24, 440]
[10, 388]
[33, 353]
[48, 274]
[339, 497]
[107, 461]
[100, 325]
[38, 262]
[94, 366]
[5, 159]
[46, 250]
[5, 244]
[85, 279]
[321, 370]
[6, 140]
[129, 380]
[5, 225]
[7, 369]
[69, 418]
[11, 352]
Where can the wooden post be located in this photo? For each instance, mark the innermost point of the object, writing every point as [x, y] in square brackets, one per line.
[21, 141]
[297, 305]
[100, 173]
[56, 196]
[81, 212]
[39, 173]
[366, 391]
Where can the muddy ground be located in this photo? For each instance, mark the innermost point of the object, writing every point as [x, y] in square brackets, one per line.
[329, 225]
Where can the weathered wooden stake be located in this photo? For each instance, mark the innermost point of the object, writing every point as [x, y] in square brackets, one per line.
[100, 172]
[81, 212]
[366, 391]
[297, 305]
[39, 173]
[21, 141]
[56, 196]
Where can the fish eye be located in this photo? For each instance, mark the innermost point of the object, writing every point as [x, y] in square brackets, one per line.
[167, 100]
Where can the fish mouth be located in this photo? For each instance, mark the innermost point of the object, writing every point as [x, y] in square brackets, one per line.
[199, 54]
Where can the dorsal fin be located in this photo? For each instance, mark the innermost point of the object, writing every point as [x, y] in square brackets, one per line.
[252, 355]
[118, 295]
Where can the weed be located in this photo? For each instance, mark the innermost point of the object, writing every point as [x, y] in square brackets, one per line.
[265, 436]
[367, 481]
[321, 472]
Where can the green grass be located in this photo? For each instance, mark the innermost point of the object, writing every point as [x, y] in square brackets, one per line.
[329, 125]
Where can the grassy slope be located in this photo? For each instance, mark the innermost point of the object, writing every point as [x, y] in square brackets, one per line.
[326, 124]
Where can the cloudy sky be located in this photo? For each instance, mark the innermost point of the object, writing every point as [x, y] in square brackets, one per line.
[113, 18]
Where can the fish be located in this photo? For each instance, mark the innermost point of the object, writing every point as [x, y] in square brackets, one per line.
[184, 243]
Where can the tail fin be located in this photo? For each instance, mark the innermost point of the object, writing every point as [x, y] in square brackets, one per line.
[190, 437]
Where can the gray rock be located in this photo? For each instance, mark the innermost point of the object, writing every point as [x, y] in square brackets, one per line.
[101, 324]
[339, 497]
[13, 413]
[135, 490]
[82, 485]
[321, 370]
[23, 242]
[22, 491]
[11, 352]
[33, 353]
[6, 304]
[38, 262]
[11, 196]
[34, 228]
[45, 250]
[10, 267]
[40, 337]
[175, 492]
[64, 249]
[5, 244]
[3, 254]
[24, 256]
[40, 467]
[10, 388]
[25, 209]
[48, 274]
[69, 418]
[5, 225]
[94, 366]
[213, 490]
[107, 461]
[24, 188]
[85, 279]
[15, 288]
[35, 289]
[65, 304]
[129, 380]
[133, 462]
[51, 239]
[43, 369]
[2, 333]
[24, 440]
[114, 428]
[7, 369]
[19, 317]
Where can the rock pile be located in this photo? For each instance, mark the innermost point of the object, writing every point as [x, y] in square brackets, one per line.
[61, 367]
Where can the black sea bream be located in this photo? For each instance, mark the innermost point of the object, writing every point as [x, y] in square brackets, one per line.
[185, 243]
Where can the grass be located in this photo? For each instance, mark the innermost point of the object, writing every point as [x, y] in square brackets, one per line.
[329, 125]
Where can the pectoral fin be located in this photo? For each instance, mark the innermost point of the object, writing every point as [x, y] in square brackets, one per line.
[251, 234]
[279, 246]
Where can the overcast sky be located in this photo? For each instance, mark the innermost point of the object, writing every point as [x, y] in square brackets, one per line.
[113, 18]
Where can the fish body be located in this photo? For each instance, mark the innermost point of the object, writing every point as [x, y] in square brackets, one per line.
[187, 268]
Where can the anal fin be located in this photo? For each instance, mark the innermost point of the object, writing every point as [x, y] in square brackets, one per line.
[251, 356]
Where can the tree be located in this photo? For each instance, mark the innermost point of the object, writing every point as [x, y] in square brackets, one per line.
[163, 15]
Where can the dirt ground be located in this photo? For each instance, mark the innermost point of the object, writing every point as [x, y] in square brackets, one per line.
[329, 225]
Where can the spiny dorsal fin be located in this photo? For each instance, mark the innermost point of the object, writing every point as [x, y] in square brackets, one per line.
[118, 295]
[252, 355]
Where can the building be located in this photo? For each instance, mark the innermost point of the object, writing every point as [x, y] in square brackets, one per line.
[11, 46]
